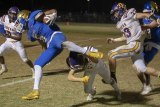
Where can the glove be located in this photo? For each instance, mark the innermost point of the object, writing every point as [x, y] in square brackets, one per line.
[85, 79]
[110, 40]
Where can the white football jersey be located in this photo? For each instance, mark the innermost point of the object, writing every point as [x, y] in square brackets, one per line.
[9, 27]
[130, 26]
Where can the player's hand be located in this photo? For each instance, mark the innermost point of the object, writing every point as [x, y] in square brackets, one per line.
[110, 40]
[85, 79]
[6, 35]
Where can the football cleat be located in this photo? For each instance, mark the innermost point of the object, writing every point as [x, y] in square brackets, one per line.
[118, 95]
[97, 55]
[33, 95]
[146, 90]
[3, 71]
[91, 95]
[85, 79]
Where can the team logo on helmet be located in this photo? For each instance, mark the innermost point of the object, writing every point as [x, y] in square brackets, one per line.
[117, 11]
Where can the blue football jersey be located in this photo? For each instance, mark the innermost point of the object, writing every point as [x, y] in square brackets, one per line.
[38, 30]
[2, 31]
[155, 32]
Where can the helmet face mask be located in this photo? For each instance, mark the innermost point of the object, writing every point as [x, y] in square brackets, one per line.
[118, 10]
[12, 13]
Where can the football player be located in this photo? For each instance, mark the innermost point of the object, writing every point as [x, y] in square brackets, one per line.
[54, 41]
[151, 43]
[12, 30]
[91, 67]
[128, 24]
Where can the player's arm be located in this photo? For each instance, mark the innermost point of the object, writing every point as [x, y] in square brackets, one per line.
[50, 16]
[72, 78]
[113, 40]
[46, 16]
[2, 20]
[142, 15]
[51, 11]
[17, 37]
[42, 43]
[149, 26]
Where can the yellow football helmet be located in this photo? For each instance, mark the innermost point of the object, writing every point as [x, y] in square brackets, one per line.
[24, 14]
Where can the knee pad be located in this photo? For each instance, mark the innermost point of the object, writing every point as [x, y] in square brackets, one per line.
[140, 68]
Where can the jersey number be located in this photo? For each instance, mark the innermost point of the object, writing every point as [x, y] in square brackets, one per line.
[127, 33]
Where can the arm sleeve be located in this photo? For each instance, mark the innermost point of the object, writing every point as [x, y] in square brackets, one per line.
[35, 14]
[131, 13]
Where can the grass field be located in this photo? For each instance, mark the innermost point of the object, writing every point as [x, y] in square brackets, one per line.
[57, 91]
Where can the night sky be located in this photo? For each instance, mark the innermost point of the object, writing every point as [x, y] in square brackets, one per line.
[71, 5]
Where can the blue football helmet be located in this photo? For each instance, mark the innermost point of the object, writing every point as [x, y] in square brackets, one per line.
[12, 13]
[117, 11]
[150, 7]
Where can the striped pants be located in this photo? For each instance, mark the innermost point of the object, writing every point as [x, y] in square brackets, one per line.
[133, 50]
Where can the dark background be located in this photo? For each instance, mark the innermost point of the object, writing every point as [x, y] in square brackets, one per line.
[70, 9]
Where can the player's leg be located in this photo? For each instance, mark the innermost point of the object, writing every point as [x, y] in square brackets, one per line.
[19, 48]
[104, 72]
[88, 87]
[73, 47]
[43, 59]
[141, 67]
[148, 57]
[122, 52]
[5, 46]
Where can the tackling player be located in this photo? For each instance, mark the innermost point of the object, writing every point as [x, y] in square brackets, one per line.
[12, 30]
[54, 41]
[128, 24]
[151, 43]
[91, 67]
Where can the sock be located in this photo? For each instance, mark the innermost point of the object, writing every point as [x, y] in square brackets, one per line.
[114, 85]
[113, 75]
[38, 76]
[73, 47]
[3, 66]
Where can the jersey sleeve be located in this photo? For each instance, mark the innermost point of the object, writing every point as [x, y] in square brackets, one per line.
[131, 13]
[34, 14]
[2, 20]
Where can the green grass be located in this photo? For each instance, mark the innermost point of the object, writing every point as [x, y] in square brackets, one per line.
[57, 91]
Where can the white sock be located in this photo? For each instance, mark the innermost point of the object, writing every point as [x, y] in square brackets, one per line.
[38, 76]
[3, 66]
[73, 47]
